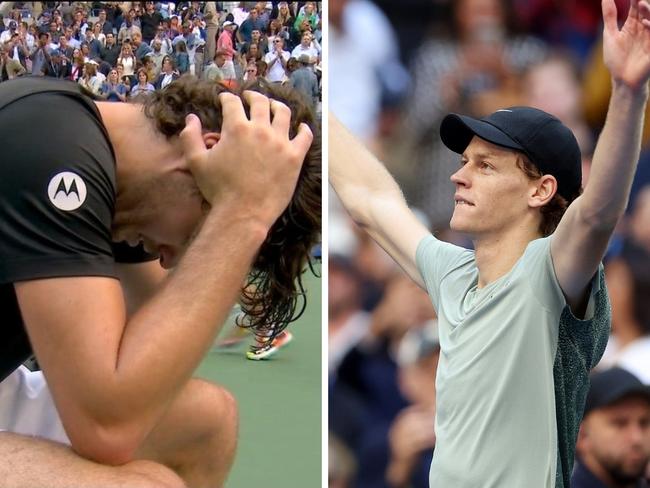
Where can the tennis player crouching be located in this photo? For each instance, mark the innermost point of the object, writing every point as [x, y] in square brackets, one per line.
[208, 181]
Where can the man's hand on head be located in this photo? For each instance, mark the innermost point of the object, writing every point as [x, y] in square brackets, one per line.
[254, 165]
[627, 50]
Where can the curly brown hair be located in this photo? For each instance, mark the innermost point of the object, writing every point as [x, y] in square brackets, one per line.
[553, 211]
[273, 295]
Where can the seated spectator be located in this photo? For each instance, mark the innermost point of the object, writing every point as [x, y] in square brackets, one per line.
[77, 65]
[57, 66]
[91, 79]
[308, 13]
[250, 75]
[141, 48]
[167, 74]
[613, 448]
[112, 90]
[143, 87]
[257, 39]
[127, 59]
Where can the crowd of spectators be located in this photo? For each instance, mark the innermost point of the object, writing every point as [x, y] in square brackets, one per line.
[119, 50]
[473, 57]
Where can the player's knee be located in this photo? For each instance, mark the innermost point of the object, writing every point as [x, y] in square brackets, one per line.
[221, 406]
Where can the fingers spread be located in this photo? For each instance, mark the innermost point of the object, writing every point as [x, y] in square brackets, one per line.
[281, 117]
[259, 107]
[233, 111]
[303, 139]
[191, 137]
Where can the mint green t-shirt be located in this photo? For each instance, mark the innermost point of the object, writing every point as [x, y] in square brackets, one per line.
[512, 377]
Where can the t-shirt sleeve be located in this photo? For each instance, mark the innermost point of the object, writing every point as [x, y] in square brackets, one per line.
[57, 190]
[435, 259]
[541, 276]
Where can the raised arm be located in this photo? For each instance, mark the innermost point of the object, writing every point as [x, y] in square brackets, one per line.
[581, 238]
[373, 198]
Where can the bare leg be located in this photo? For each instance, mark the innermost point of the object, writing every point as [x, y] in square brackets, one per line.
[197, 436]
[26, 462]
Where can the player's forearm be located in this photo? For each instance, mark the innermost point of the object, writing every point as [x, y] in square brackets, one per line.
[164, 341]
[615, 158]
[358, 178]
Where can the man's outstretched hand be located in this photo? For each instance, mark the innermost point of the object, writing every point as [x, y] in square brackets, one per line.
[254, 165]
[627, 51]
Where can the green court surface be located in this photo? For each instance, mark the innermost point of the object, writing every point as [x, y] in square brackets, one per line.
[279, 404]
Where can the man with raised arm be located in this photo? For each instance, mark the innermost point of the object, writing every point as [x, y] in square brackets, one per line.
[525, 316]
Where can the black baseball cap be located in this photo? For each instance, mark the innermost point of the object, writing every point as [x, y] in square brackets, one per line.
[611, 385]
[548, 143]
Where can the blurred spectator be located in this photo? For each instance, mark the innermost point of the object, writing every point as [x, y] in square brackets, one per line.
[362, 45]
[99, 35]
[40, 55]
[167, 74]
[613, 448]
[6, 35]
[157, 54]
[9, 68]
[306, 48]
[253, 22]
[111, 51]
[181, 58]
[276, 31]
[106, 26]
[250, 74]
[412, 437]
[304, 80]
[143, 87]
[257, 39]
[212, 27]
[628, 279]
[77, 64]
[277, 61]
[216, 70]
[91, 79]
[94, 45]
[141, 48]
[225, 43]
[307, 13]
[57, 66]
[112, 89]
[127, 59]
[284, 17]
[150, 20]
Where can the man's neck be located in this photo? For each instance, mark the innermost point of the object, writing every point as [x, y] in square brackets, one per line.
[496, 254]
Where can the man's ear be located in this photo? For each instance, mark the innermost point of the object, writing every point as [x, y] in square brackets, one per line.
[542, 191]
[211, 138]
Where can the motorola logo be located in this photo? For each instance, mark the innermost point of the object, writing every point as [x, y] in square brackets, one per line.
[67, 191]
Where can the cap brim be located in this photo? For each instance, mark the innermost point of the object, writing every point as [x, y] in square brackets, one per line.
[457, 131]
